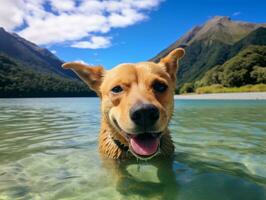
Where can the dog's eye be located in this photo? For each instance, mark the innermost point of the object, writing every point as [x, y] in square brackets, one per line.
[117, 89]
[159, 87]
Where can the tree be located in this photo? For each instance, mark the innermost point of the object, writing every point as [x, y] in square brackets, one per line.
[187, 88]
[259, 74]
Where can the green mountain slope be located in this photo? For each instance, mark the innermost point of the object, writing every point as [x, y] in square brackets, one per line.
[247, 67]
[18, 80]
[31, 55]
[212, 44]
[201, 56]
[256, 37]
[27, 70]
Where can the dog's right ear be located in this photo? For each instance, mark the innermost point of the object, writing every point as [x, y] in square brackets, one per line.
[92, 76]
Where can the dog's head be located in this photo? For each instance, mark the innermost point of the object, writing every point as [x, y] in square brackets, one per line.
[136, 99]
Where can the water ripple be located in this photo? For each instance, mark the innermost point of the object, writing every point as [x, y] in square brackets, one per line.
[48, 149]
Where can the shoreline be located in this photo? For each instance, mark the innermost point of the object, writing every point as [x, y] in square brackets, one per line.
[192, 96]
[224, 96]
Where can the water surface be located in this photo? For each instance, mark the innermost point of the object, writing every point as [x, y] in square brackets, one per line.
[48, 150]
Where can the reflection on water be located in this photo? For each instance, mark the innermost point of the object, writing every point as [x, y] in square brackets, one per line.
[48, 150]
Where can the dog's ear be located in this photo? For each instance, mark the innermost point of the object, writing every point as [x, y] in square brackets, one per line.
[171, 61]
[92, 76]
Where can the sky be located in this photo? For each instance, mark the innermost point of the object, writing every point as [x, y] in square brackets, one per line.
[110, 32]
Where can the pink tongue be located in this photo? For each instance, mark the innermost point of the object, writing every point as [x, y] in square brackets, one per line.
[144, 147]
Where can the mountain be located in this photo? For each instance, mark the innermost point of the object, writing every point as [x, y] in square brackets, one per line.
[18, 80]
[27, 70]
[246, 67]
[256, 37]
[209, 45]
[219, 28]
[30, 54]
[241, 58]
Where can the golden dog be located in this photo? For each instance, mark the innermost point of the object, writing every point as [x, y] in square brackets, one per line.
[136, 103]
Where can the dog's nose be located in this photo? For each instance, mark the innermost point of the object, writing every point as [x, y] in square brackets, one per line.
[144, 114]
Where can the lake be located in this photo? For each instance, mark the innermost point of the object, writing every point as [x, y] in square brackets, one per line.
[48, 150]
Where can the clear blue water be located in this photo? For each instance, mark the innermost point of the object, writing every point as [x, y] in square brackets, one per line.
[48, 150]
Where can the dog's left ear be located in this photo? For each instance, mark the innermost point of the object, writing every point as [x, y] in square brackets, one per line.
[171, 61]
[92, 76]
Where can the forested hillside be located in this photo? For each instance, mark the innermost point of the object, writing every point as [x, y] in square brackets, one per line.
[27, 70]
[247, 67]
[18, 80]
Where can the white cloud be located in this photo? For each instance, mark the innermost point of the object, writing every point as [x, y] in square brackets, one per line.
[236, 13]
[56, 29]
[53, 51]
[11, 14]
[81, 61]
[144, 4]
[61, 6]
[125, 18]
[95, 42]
[48, 22]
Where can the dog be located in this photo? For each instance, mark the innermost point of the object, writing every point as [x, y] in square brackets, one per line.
[137, 102]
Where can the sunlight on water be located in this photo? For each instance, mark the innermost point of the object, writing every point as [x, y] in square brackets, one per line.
[48, 150]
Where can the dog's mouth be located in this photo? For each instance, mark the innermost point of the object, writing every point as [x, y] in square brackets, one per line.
[144, 145]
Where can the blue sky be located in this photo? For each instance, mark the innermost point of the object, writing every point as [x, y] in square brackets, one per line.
[165, 25]
[148, 27]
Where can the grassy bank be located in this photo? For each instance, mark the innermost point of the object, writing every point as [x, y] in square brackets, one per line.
[222, 89]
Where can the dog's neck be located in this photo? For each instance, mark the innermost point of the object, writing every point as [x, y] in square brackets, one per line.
[113, 145]
[111, 142]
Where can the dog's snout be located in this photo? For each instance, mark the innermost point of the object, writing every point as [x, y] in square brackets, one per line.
[144, 114]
